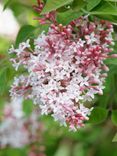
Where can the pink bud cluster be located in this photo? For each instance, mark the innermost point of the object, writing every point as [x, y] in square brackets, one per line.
[65, 70]
[17, 130]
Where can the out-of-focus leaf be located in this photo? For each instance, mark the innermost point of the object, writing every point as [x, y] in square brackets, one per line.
[6, 75]
[114, 117]
[78, 5]
[67, 16]
[98, 115]
[4, 48]
[24, 33]
[92, 3]
[54, 4]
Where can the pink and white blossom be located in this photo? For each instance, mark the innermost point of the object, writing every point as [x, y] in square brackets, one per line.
[66, 69]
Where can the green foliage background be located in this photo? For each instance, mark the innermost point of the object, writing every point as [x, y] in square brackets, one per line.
[96, 138]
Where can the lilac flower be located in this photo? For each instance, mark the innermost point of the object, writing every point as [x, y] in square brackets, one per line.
[66, 69]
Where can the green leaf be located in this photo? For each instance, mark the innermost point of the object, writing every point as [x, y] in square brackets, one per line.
[98, 115]
[78, 5]
[3, 78]
[6, 74]
[114, 117]
[24, 33]
[6, 4]
[54, 4]
[105, 8]
[92, 3]
[40, 29]
[67, 16]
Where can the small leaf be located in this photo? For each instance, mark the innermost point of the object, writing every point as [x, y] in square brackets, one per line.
[92, 3]
[67, 16]
[114, 117]
[24, 33]
[54, 4]
[98, 115]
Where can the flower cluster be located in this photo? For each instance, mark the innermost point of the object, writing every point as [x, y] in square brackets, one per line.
[17, 130]
[65, 70]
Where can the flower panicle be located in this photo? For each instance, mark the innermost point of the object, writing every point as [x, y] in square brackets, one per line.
[66, 69]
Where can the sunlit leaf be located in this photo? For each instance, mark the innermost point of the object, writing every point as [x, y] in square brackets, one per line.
[54, 4]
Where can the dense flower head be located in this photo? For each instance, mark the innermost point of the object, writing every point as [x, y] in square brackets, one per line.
[65, 70]
[17, 130]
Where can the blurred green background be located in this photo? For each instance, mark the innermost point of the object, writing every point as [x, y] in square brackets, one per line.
[96, 139]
